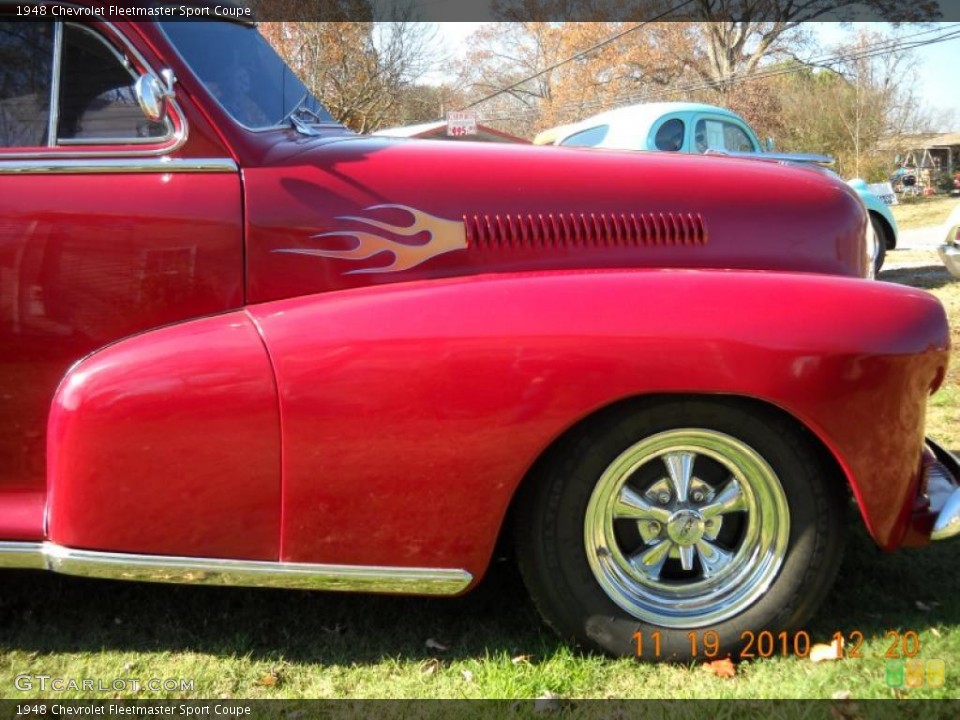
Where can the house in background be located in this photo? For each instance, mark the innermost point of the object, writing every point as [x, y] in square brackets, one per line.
[927, 155]
[437, 130]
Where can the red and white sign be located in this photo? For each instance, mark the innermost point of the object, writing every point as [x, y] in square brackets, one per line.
[461, 123]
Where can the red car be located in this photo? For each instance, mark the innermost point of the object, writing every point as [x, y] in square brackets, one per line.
[240, 344]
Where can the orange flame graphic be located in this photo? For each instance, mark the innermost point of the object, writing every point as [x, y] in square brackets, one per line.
[445, 236]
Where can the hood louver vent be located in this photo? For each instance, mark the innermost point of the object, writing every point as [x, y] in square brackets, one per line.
[584, 230]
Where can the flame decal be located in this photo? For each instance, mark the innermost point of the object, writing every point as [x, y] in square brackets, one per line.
[445, 236]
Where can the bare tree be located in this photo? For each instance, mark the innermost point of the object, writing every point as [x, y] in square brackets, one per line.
[359, 70]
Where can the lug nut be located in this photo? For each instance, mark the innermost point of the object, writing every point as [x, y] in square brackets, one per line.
[654, 528]
[698, 496]
[663, 498]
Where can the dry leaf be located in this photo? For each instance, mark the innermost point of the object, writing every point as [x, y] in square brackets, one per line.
[934, 632]
[821, 652]
[521, 659]
[269, 680]
[722, 668]
[841, 695]
[845, 710]
[429, 667]
[434, 645]
[923, 606]
[467, 675]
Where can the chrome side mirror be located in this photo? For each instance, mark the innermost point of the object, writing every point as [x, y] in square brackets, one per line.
[152, 94]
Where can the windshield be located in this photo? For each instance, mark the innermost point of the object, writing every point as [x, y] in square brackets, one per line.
[243, 72]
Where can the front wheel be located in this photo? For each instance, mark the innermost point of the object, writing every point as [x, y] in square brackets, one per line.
[883, 242]
[680, 518]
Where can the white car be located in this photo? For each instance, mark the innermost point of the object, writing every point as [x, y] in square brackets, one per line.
[950, 250]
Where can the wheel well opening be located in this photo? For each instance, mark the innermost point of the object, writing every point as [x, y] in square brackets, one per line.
[881, 222]
[650, 403]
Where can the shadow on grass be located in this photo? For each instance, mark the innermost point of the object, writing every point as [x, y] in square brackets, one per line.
[45, 613]
[926, 277]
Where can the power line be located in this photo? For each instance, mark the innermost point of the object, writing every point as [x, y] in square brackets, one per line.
[823, 61]
[577, 56]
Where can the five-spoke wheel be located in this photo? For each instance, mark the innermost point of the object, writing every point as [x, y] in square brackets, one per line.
[678, 515]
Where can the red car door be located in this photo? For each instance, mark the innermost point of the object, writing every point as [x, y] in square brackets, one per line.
[110, 224]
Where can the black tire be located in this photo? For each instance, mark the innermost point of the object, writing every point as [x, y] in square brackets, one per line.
[883, 241]
[568, 499]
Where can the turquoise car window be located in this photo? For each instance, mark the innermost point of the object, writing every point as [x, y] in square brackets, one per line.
[720, 135]
[587, 138]
[669, 136]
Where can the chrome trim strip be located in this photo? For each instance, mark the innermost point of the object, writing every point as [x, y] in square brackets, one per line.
[54, 118]
[249, 573]
[22, 555]
[98, 165]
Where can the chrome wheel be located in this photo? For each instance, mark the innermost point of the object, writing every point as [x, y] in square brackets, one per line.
[686, 528]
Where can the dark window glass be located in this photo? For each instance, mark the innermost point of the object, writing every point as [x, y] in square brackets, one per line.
[669, 136]
[97, 99]
[26, 55]
[587, 138]
[245, 75]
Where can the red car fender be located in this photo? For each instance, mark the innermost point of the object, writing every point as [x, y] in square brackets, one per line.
[168, 443]
[412, 412]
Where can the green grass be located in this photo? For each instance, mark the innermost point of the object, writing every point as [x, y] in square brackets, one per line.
[914, 212]
[241, 643]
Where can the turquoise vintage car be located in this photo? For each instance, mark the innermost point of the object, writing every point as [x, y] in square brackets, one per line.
[699, 128]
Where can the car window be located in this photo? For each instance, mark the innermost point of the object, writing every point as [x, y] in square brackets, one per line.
[96, 102]
[587, 138]
[669, 136]
[243, 72]
[97, 98]
[26, 53]
[721, 135]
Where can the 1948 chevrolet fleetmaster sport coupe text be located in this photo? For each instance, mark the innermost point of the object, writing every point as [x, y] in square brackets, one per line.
[240, 344]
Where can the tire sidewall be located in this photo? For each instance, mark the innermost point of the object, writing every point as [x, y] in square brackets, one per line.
[577, 604]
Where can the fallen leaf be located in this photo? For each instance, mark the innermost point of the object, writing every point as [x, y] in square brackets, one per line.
[434, 645]
[841, 695]
[268, 680]
[521, 659]
[845, 710]
[821, 652]
[722, 668]
[467, 675]
[429, 667]
[923, 606]
[934, 632]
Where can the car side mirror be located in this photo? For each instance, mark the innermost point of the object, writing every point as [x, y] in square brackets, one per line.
[152, 94]
[768, 145]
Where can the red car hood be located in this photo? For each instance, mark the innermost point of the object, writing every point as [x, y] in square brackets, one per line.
[351, 211]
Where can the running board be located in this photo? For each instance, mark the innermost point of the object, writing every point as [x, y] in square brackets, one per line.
[247, 573]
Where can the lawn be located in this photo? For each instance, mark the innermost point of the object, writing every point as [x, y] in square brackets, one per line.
[241, 643]
[915, 212]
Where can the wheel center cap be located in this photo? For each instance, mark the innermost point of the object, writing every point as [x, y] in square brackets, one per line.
[685, 527]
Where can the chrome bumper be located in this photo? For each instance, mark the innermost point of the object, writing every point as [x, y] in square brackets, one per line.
[950, 255]
[943, 488]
